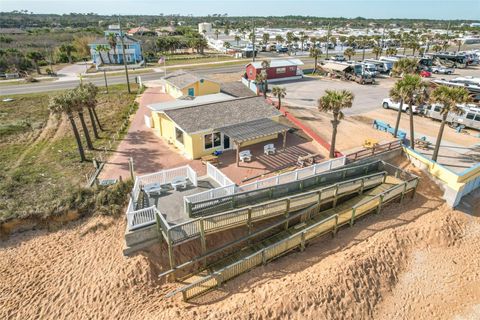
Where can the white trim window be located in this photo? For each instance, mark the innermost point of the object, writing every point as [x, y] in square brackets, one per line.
[212, 140]
[179, 135]
[281, 70]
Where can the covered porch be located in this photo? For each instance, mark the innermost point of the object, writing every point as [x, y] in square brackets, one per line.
[247, 133]
[261, 165]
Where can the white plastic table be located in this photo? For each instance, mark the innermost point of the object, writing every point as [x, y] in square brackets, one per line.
[179, 182]
[152, 187]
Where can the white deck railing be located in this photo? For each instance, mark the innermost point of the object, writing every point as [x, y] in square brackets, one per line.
[143, 217]
[228, 189]
[293, 176]
[217, 175]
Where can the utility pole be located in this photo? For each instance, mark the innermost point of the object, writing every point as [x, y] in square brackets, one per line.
[253, 39]
[328, 41]
[105, 77]
[383, 40]
[124, 56]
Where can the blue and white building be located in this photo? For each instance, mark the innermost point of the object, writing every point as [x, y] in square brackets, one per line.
[133, 49]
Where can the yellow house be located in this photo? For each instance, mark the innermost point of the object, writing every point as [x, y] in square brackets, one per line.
[181, 83]
[200, 129]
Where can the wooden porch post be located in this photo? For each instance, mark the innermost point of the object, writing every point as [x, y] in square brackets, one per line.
[238, 152]
[284, 140]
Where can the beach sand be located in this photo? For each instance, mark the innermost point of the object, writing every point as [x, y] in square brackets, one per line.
[419, 260]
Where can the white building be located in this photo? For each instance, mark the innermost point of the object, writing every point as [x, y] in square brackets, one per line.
[204, 26]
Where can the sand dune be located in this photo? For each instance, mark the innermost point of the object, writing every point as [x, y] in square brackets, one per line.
[416, 261]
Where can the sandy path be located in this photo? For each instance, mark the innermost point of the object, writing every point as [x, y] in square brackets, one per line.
[419, 260]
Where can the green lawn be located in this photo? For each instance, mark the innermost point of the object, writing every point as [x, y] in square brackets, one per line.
[41, 174]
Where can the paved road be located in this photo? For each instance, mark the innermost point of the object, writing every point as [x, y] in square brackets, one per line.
[112, 79]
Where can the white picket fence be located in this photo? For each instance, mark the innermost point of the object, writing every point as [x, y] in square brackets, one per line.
[218, 176]
[143, 217]
[293, 175]
[228, 187]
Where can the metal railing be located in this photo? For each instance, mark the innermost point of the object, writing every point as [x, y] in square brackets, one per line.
[298, 239]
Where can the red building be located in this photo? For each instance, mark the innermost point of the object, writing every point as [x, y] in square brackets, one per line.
[278, 70]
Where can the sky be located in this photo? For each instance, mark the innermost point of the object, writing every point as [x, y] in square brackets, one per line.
[427, 9]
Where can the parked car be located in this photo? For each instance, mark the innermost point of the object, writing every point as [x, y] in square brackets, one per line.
[282, 50]
[425, 74]
[337, 57]
[389, 104]
[364, 79]
[441, 69]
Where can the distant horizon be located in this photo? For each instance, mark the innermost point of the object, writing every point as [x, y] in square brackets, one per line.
[349, 9]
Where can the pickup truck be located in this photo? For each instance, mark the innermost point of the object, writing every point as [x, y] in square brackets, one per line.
[389, 104]
[444, 70]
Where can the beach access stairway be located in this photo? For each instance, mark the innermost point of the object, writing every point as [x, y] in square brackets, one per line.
[296, 236]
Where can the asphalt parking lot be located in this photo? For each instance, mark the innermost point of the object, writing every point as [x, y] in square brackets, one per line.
[306, 92]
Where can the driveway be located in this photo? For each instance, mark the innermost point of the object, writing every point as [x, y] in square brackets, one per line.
[305, 93]
[72, 72]
[149, 152]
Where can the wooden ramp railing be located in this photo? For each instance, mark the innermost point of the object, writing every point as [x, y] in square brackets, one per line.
[297, 236]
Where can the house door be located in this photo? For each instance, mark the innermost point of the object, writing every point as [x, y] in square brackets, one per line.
[191, 92]
[226, 142]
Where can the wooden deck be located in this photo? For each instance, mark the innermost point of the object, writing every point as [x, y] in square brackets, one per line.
[249, 256]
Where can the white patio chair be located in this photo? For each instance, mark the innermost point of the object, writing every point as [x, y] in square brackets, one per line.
[178, 182]
[269, 149]
[245, 155]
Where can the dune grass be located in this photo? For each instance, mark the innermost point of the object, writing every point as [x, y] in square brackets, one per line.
[41, 173]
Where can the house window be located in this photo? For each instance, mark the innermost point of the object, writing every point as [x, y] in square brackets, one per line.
[212, 140]
[281, 70]
[179, 135]
[291, 68]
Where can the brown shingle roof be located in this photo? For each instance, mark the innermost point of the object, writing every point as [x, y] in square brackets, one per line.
[221, 114]
[236, 89]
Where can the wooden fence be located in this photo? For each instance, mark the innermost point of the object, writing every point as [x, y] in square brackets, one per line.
[296, 240]
[382, 148]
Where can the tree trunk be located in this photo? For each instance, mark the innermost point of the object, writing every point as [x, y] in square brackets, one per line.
[412, 133]
[115, 55]
[85, 131]
[101, 58]
[37, 67]
[77, 138]
[334, 136]
[265, 88]
[399, 115]
[439, 138]
[279, 102]
[69, 58]
[363, 53]
[96, 118]
[94, 125]
[404, 49]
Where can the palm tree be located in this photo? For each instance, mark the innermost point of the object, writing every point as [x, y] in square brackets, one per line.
[404, 66]
[35, 56]
[265, 38]
[88, 94]
[68, 49]
[280, 93]
[391, 51]
[265, 66]
[459, 42]
[227, 45]
[349, 52]
[376, 51]
[437, 48]
[413, 91]
[260, 79]
[112, 41]
[279, 39]
[100, 49]
[217, 33]
[334, 101]
[64, 104]
[315, 53]
[79, 105]
[449, 98]
[237, 39]
[313, 40]
[414, 46]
